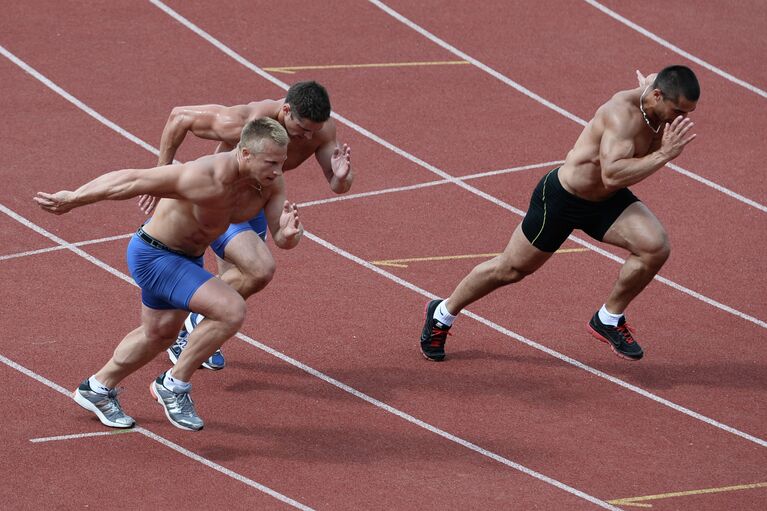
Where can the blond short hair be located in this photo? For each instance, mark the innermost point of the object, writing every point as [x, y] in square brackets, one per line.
[258, 130]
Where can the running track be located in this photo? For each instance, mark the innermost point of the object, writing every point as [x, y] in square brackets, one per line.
[326, 403]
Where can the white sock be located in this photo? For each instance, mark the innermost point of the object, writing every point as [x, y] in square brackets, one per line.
[175, 385]
[608, 318]
[442, 315]
[97, 386]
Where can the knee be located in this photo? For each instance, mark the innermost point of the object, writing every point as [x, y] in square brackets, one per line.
[256, 278]
[657, 252]
[233, 313]
[505, 274]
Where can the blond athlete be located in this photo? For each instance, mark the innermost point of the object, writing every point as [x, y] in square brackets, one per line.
[199, 201]
[244, 261]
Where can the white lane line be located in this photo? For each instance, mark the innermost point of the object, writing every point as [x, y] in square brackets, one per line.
[78, 436]
[676, 49]
[59, 247]
[313, 372]
[338, 198]
[532, 95]
[406, 284]
[249, 65]
[164, 441]
[310, 370]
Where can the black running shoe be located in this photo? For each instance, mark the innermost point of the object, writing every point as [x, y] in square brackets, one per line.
[618, 337]
[433, 335]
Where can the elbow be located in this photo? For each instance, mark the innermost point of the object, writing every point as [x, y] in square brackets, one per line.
[611, 180]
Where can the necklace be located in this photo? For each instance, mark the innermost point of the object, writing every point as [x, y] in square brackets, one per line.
[257, 187]
[641, 109]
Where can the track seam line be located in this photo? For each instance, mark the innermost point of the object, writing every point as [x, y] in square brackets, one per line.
[663, 42]
[249, 65]
[162, 440]
[532, 95]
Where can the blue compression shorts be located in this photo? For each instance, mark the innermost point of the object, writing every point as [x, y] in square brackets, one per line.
[257, 223]
[168, 278]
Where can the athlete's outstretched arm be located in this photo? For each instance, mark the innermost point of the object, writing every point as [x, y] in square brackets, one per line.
[183, 181]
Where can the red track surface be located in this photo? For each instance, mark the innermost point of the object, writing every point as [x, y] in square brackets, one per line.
[278, 425]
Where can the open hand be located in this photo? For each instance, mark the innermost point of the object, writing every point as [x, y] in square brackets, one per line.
[57, 203]
[341, 162]
[675, 137]
[290, 224]
[147, 203]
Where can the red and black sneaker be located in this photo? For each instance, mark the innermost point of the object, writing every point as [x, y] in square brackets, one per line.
[618, 337]
[433, 335]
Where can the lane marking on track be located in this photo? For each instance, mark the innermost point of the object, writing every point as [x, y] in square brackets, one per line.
[676, 49]
[306, 368]
[427, 294]
[78, 436]
[293, 69]
[249, 65]
[162, 440]
[532, 95]
[399, 263]
[344, 197]
[59, 247]
[637, 501]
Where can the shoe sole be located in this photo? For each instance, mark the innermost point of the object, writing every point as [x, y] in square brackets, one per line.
[167, 414]
[80, 400]
[212, 368]
[172, 356]
[427, 357]
[601, 338]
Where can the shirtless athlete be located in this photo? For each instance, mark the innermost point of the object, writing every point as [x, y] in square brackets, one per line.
[244, 261]
[200, 199]
[631, 136]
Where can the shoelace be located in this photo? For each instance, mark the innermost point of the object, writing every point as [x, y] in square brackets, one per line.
[626, 332]
[183, 405]
[182, 340]
[111, 403]
[438, 337]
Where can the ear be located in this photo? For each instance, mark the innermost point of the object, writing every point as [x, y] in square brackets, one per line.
[657, 95]
[245, 153]
[286, 109]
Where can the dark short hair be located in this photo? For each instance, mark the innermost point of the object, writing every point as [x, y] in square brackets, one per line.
[675, 81]
[309, 100]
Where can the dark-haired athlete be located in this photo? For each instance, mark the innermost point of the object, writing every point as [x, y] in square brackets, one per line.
[244, 261]
[631, 136]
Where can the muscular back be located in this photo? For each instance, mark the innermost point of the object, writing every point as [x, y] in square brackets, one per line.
[617, 130]
[224, 124]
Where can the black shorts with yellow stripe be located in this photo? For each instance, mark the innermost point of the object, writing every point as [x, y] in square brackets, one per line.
[554, 213]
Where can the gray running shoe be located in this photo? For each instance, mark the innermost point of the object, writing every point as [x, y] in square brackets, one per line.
[106, 407]
[179, 408]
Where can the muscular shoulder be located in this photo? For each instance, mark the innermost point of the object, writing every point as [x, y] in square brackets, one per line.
[620, 113]
[328, 132]
[263, 108]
